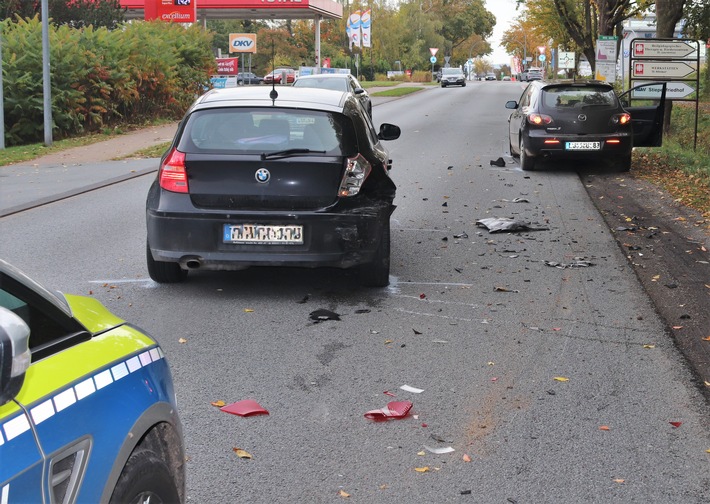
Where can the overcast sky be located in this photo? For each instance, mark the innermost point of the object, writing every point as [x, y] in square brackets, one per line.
[504, 11]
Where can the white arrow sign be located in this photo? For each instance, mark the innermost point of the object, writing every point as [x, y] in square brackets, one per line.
[662, 49]
[674, 91]
[662, 69]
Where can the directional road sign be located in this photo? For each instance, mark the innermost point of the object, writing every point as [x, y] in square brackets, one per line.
[649, 69]
[658, 49]
[674, 91]
[565, 60]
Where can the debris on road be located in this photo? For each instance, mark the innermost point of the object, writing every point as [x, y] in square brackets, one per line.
[498, 162]
[504, 224]
[413, 390]
[394, 409]
[247, 407]
[439, 451]
[322, 315]
[578, 262]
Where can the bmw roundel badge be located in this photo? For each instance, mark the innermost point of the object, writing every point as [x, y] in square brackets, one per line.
[262, 175]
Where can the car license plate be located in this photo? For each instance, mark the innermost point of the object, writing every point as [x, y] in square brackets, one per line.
[583, 145]
[259, 234]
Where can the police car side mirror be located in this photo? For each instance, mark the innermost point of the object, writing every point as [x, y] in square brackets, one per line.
[512, 104]
[14, 354]
[389, 132]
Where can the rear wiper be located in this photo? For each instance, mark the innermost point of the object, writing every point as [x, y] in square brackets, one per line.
[288, 153]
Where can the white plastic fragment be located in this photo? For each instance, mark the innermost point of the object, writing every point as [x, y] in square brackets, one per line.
[413, 390]
[439, 451]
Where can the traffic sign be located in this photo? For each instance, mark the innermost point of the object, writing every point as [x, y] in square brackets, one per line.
[674, 91]
[542, 57]
[433, 50]
[565, 60]
[662, 69]
[658, 49]
[432, 59]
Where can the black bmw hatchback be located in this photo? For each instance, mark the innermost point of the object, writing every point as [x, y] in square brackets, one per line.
[581, 120]
[253, 179]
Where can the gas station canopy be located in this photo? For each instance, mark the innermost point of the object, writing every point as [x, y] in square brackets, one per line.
[250, 9]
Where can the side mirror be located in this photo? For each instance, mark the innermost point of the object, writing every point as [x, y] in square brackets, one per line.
[512, 104]
[14, 354]
[359, 91]
[389, 132]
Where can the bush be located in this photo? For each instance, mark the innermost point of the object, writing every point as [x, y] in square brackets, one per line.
[99, 77]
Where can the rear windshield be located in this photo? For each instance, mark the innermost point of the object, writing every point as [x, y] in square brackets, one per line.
[323, 83]
[564, 97]
[263, 130]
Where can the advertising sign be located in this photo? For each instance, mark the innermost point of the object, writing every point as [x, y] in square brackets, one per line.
[227, 66]
[242, 43]
[172, 11]
[366, 24]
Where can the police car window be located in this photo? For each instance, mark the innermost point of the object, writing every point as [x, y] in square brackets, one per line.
[43, 329]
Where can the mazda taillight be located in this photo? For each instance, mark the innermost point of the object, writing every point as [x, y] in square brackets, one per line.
[539, 119]
[173, 176]
[621, 119]
[356, 171]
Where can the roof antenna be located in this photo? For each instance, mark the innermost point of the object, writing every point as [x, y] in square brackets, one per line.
[273, 94]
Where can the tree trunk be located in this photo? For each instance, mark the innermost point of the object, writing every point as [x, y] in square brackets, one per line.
[668, 13]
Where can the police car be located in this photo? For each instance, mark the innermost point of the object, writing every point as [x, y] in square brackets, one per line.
[87, 407]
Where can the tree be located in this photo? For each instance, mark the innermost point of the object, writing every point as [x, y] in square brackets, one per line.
[668, 13]
[75, 13]
[697, 26]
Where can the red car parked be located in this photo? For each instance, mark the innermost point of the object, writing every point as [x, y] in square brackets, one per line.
[276, 76]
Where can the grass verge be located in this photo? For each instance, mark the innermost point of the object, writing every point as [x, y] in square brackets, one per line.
[676, 167]
[377, 83]
[399, 91]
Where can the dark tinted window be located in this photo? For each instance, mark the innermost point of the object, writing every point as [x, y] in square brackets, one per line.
[258, 130]
[565, 97]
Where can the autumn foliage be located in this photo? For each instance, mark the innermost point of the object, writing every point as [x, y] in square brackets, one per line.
[99, 77]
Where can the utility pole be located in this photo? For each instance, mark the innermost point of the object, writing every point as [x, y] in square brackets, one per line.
[46, 84]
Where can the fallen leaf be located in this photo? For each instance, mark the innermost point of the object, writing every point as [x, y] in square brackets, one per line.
[344, 494]
[415, 331]
[561, 379]
[619, 480]
[421, 453]
[242, 453]
[649, 346]
[677, 327]
[466, 458]
[491, 363]
[388, 341]
[707, 451]
[676, 424]
[604, 427]
[218, 404]
[182, 340]
[656, 278]
[706, 338]
[421, 469]
[248, 310]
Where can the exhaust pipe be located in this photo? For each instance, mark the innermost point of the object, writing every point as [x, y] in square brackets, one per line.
[193, 264]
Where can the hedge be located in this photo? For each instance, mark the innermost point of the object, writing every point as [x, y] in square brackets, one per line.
[100, 78]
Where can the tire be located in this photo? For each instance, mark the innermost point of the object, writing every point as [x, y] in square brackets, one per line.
[463, 85]
[240, 83]
[527, 163]
[145, 479]
[164, 272]
[510, 147]
[624, 163]
[443, 85]
[377, 273]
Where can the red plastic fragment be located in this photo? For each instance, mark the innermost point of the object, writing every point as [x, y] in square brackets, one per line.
[394, 409]
[247, 407]
[422, 296]
[387, 392]
[676, 424]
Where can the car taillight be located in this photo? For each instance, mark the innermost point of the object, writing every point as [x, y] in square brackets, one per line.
[624, 118]
[539, 119]
[356, 171]
[173, 176]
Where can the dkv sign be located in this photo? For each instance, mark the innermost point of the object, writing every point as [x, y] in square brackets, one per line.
[242, 42]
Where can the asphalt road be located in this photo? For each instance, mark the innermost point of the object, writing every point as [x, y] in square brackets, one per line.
[558, 384]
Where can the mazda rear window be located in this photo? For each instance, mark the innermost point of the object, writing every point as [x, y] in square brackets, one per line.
[565, 97]
[258, 130]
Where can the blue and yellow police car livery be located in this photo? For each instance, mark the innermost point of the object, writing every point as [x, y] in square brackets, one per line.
[92, 417]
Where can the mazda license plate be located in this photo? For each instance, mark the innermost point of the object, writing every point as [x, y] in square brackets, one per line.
[583, 145]
[260, 234]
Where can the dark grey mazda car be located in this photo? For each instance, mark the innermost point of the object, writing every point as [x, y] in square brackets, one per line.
[264, 177]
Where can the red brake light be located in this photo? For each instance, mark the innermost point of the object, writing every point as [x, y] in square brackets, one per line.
[539, 119]
[624, 118]
[173, 176]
